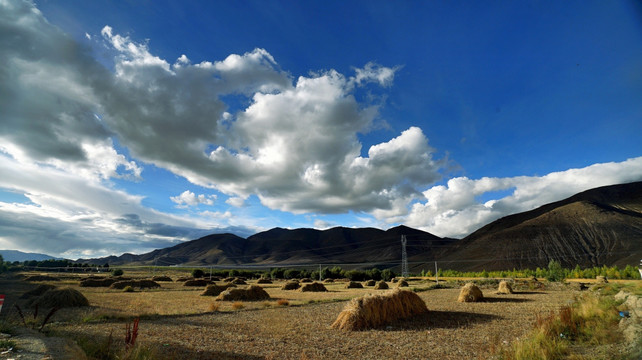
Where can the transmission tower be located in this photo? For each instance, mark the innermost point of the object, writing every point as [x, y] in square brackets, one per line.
[404, 257]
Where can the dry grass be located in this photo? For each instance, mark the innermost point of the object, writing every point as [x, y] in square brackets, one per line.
[237, 305]
[282, 302]
[214, 306]
[504, 288]
[372, 311]
[470, 293]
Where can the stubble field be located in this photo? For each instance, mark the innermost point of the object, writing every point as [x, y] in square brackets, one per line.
[177, 323]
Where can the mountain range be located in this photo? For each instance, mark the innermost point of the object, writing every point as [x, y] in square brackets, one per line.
[15, 255]
[601, 226]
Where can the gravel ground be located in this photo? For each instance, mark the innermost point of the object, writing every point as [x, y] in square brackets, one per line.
[450, 330]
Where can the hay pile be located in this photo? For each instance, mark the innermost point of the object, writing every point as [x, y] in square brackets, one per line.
[402, 283]
[141, 284]
[253, 293]
[196, 282]
[470, 293]
[306, 280]
[371, 283]
[381, 285]
[184, 278]
[97, 282]
[239, 281]
[504, 288]
[41, 278]
[290, 285]
[229, 279]
[313, 287]
[372, 311]
[601, 279]
[161, 278]
[60, 298]
[353, 285]
[215, 290]
[263, 281]
[39, 290]
[328, 280]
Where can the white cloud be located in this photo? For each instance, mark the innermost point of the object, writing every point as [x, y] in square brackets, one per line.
[455, 210]
[235, 201]
[188, 198]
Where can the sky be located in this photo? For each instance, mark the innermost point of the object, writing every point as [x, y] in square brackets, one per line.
[127, 126]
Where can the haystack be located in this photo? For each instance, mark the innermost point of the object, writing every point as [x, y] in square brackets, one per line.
[306, 280]
[100, 282]
[353, 285]
[601, 279]
[162, 278]
[328, 280]
[253, 293]
[215, 290]
[238, 281]
[504, 287]
[41, 278]
[381, 285]
[402, 283]
[229, 279]
[371, 283]
[39, 290]
[196, 282]
[142, 284]
[60, 298]
[372, 311]
[184, 278]
[263, 281]
[313, 287]
[470, 293]
[290, 285]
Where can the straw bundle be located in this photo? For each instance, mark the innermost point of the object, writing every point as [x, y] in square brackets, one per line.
[372, 311]
[381, 285]
[470, 293]
[504, 288]
[313, 287]
[263, 281]
[290, 285]
[215, 290]
[353, 285]
[371, 283]
[253, 293]
[162, 278]
[101, 282]
[39, 290]
[402, 283]
[142, 284]
[60, 298]
[196, 282]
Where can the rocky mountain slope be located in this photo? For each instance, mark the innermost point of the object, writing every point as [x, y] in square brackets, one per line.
[602, 226]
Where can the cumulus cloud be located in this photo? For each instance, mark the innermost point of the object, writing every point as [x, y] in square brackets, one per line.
[456, 209]
[188, 198]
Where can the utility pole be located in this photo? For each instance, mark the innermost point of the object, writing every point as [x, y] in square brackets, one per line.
[404, 257]
[436, 276]
[320, 273]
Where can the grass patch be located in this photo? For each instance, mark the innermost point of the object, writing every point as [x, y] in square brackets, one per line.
[237, 305]
[592, 320]
[7, 344]
[213, 307]
[282, 302]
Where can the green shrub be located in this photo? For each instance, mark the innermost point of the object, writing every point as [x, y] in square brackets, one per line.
[198, 273]
[117, 272]
[128, 289]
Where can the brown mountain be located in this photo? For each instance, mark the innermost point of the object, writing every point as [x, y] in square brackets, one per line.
[602, 226]
[340, 245]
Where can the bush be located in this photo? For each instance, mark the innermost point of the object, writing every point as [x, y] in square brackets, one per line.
[387, 275]
[128, 288]
[198, 273]
[555, 271]
[117, 272]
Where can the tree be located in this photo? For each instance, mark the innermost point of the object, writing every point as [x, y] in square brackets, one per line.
[387, 274]
[555, 271]
[117, 272]
[198, 273]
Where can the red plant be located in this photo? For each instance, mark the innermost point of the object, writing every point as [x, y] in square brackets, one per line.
[131, 334]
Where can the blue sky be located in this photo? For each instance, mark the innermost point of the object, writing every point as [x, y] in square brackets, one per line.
[129, 126]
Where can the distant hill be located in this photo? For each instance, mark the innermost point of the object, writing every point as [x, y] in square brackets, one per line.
[601, 226]
[298, 246]
[15, 255]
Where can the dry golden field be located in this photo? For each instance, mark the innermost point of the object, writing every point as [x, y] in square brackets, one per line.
[177, 323]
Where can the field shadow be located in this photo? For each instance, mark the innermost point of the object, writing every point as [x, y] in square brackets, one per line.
[504, 300]
[441, 320]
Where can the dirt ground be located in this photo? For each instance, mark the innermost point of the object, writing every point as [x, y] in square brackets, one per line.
[179, 325]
